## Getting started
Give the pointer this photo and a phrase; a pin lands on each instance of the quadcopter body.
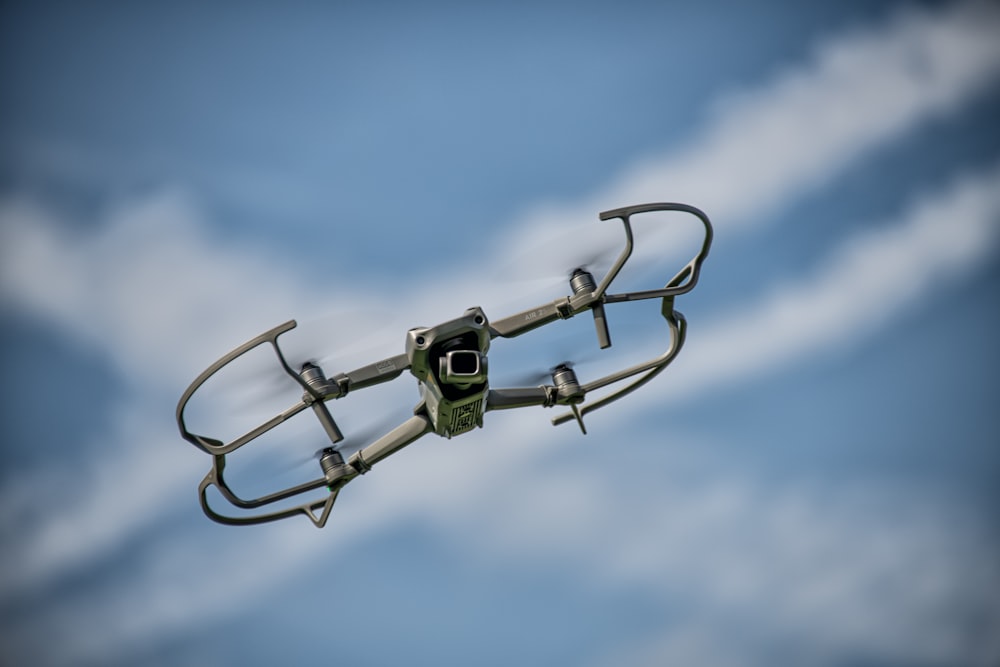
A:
(451, 365)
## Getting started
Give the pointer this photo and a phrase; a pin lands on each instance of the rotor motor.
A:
(582, 281)
(564, 379)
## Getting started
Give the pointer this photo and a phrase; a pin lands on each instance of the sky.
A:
(813, 481)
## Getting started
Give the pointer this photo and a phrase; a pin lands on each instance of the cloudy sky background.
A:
(813, 482)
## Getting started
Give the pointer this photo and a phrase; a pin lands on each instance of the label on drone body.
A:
(385, 366)
(533, 315)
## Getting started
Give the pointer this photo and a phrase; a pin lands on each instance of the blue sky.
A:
(814, 481)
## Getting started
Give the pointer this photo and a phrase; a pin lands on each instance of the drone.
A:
(450, 364)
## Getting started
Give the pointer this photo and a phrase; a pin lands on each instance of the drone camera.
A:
(463, 367)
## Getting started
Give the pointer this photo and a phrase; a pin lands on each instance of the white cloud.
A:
(148, 287)
(103, 501)
(811, 574)
(150, 276)
(174, 585)
(862, 285)
(807, 124)
(797, 131)
(865, 283)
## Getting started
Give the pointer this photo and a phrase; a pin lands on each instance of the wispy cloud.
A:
(147, 273)
(789, 133)
(810, 574)
(799, 130)
(919, 253)
(773, 143)
(105, 500)
(861, 286)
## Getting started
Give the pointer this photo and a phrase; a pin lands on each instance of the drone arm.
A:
(530, 319)
(390, 443)
(336, 478)
(594, 297)
(369, 375)
(320, 390)
(317, 390)
(519, 397)
(560, 309)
